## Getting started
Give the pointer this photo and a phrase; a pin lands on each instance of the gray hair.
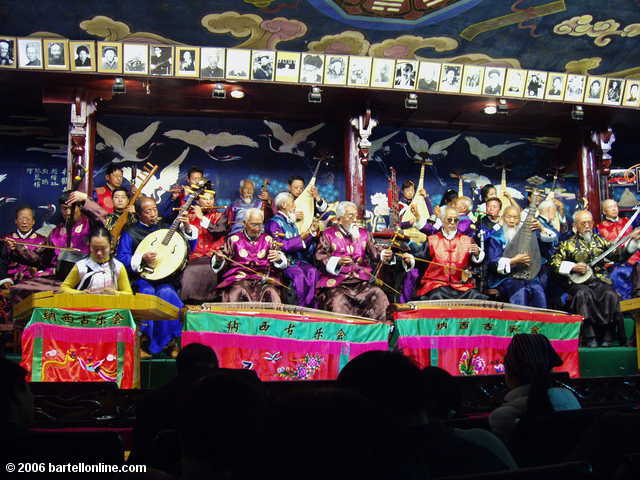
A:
(578, 212)
(245, 180)
(607, 202)
(342, 207)
(545, 204)
(443, 212)
(253, 212)
(281, 198)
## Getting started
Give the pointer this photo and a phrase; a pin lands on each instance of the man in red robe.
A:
(451, 253)
(103, 195)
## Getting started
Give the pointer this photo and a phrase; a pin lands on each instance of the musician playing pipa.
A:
(588, 283)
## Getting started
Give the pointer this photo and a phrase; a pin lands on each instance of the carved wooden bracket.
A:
(364, 125)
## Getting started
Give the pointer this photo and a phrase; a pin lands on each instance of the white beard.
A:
(354, 231)
(587, 237)
(247, 200)
(291, 217)
(449, 234)
(510, 232)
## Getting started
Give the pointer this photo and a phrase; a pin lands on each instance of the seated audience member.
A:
(528, 364)
(104, 195)
(237, 211)
(120, 200)
(452, 253)
(198, 281)
(347, 253)
(98, 273)
(25, 220)
(302, 274)
(159, 333)
(252, 262)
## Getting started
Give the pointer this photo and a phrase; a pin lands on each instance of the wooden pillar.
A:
(354, 170)
(81, 142)
(594, 161)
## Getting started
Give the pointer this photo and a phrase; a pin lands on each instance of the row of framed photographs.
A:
(312, 68)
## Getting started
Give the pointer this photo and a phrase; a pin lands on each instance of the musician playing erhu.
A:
(237, 211)
(120, 197)
(103, 196)
(98, 273)
(347, 253)
(594, 299)
(198, 284)
(252, 261)
(282, 226)
(25, 220)
(519, 291)
(451, 253)
(159, 333)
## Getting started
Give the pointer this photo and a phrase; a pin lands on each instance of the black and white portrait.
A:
(406, 73)
(30, 53)
(135, 58)
(575, 88)
(160, 60)
(614, 92)
(429, 76)
(263, 65)
(555, 86)
(110, 58)
(450, 79)
(336, 69)
(287, 67)
(238, 63)
(82, 56)
(212, 62)
(56, 54)
(472, 79)
(187, 60)
(493, 80)
(7, 52)
(514, 83)
(631, 95)
(382, 72)
(312, 68)
(595, 90)
(536, 82)
(359, 71)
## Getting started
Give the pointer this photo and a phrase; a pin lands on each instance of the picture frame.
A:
(429, 76)
(574, 90)
(335, 69)
(595, 89)
(187, 61)
(135, 59)
(109, 57)
(312, 68)
(450, 78)
(613, 91)
(382, 72)
(263, 63)
(212, 62)
(406, 74)
(535, 85)
(238, 65)
(472, 79)
(56, 53)
(556, 83)
(514, 83)
(82, 56)
(359, 71)
(288, 67)
(30, 53)
(494, 81)
(8, 52)
(161, 60)
(631, 96)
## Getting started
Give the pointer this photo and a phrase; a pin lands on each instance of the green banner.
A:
(83, 319)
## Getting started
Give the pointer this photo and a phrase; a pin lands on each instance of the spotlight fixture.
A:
(237, 93)
(315, 95)
(577, 113)
(503, 107)
(218, 91)
(119, 86)
(490, 109)
(411, 102)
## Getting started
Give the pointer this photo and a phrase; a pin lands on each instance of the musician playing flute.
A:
(198, 284)
(347, 253)
(595, 299)
(282, 226)
(451, 253)
(159, 333)
(252, 262)
(120, 197)
(237, 211)
(17, 270)
(519, 291)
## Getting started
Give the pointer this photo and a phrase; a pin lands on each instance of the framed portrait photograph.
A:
(613, 91)
(30, 53)
(212, 62)
(535, 84)
(8, 52)
(514, 83)
(555, 86)
(450, 77)
(238, 64)
(429, 76)
(187, 61)
(56, 54)
(382, 72)
(161, 60)
(359, 71)
(287, 66)
(595, 89)
(135, 58)
(109, 57)
(472, 76)
(335, 69)
(312, 68)
(493, 80)
(631, 96)
(574, 91)
(82, 55)
(263, 64)
(406, 74)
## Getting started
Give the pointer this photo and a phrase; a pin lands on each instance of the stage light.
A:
(119, 86)
(411, 102)
(315, 95)
(218, 91)
(490, 109)
(503, 108)
(577, 113)
(237, 93)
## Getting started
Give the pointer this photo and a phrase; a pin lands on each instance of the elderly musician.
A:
(198, 285)
(519, 291)
(238, 209)
(347, 252)
(282, 226)
(594, 298)
(25, 220)
(451, 253)
(251, 259)
(159, 333)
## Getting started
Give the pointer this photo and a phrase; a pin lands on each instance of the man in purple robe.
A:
(347, 253)
(25, 220)
(237, 211)
(252, 262)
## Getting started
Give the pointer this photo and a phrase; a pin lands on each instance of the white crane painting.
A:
(291, 143)
(168, 176)
(209, 142)
(127, 150)
(484, 152)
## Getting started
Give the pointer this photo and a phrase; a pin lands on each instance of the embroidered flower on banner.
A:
(302, 370)
(471, 363)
